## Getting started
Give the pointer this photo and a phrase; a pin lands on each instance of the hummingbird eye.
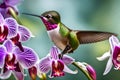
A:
(48, 16)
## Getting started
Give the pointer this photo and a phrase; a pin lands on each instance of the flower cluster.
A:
(13, 60)
(14, 57)
(10, 29)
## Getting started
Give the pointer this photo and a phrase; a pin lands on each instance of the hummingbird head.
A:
(52, 17)
(49, 18)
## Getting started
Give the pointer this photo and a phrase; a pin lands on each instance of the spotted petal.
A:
(67, 59)
(44, 64)
(11, 2)
(24, 33)
(27, 58)
(12, 26)
(9, 45)
(2, 55)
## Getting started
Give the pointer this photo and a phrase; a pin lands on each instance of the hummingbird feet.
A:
(67, 48)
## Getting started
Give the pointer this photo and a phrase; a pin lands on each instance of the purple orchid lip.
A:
(57, 69)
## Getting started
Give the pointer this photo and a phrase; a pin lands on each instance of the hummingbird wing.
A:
(85, 37)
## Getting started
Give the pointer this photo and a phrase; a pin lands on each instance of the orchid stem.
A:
(85, 72)
(14, 15)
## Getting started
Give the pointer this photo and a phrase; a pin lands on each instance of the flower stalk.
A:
(81, 69)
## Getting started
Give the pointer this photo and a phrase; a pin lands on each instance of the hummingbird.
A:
(67, 39)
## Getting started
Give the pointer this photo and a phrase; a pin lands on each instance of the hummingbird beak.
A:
(32, 15)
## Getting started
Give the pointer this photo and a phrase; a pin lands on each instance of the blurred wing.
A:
(93, 36)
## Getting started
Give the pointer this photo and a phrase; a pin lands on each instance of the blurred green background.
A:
(99, 15)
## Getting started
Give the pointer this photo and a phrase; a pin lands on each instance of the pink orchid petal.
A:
(113, 42)
(12, 27)
(108, 66)
(44, 65)
(67, 59)
(9, 45)
(54, 52)
(66, 69)
(26, 58)
(24, 33)
(104, 56)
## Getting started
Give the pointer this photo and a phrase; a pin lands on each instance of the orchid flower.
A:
(6, 4)
(13, 60)
(8, 28)
(113, 55)
(56, 65)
